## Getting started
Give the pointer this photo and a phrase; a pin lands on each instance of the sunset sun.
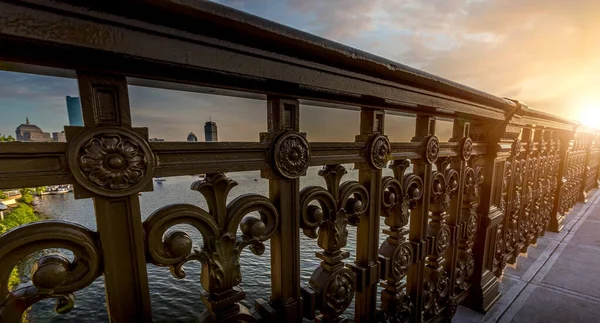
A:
(589, 112)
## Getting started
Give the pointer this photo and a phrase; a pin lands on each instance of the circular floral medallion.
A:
(466, 148)
(472, 225)
(379, 149)
(432, 149)
(402, 260)
(339, 292)
(111, 161)
(291, 154)
(443, 239)
(516, 147)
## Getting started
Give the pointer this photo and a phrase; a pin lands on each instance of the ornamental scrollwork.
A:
(466, 261)
(444, 186)
(53, 276)
(401, 193)
(111, 161)
(378, 151)
(516, 147)
(290, 155)
(325, 214)
(220, 251)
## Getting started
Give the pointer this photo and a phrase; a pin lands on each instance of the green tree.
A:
(6, 138)
(41, 189)
(26, 196)
(20, 215)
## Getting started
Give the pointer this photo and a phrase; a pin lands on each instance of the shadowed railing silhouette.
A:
(467, 208)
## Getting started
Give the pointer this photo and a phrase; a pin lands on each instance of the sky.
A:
(544, 53)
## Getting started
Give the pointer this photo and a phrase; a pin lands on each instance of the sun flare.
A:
(589, 113)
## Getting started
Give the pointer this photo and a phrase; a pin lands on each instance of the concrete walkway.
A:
(559, 278)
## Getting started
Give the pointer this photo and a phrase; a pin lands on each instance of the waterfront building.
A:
(31, 132)
(59, 136)
(210, 131)
(156, 140)
(192, 137)
(74, 110)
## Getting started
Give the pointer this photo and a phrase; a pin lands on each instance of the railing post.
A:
(587, 146)
(367, 264)
(419, 222)
(286, 303)
(105, 106)
(525, 220)
(557, 216)
(489, 238)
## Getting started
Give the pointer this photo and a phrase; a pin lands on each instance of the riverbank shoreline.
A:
(22, 213)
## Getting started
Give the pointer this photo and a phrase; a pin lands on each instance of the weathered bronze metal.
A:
(53, 276)
(220, 252)
(468, 207)
(331, 284)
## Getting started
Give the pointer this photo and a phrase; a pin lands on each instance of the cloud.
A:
(546, 54)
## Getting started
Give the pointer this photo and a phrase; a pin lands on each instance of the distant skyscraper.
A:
(74, 110)
(210, 132)
(192, 137)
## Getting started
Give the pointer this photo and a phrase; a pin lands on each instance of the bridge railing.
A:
(466, 207)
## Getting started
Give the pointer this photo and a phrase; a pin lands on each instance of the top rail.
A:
(204, 43)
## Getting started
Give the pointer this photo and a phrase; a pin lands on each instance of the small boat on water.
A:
(159, 180)
(58, 190)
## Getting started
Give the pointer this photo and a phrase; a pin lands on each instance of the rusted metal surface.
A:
(508, 174)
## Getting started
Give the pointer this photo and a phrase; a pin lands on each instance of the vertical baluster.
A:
(545, 183)
(424, 133)
(596, 184)
(585, 148)
(466, 260)
(557, 217)
(444, 185)
(525, 221)
(517, 202)
(290, 154)
(453, 207)
(331, 286)
(536, 171)
(366, 266)
(512, 204)
(550, 180)
(488, 241)
(107, 140)
(401, 195)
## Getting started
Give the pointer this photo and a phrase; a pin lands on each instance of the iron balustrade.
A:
(508, 174)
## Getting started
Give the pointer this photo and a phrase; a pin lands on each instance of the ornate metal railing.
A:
(469, 206)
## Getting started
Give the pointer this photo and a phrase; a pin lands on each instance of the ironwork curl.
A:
(53, 276)
(221, 248)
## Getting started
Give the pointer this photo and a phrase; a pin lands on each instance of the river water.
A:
(178, 300)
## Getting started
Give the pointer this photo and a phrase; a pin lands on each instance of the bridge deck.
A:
(558, 280)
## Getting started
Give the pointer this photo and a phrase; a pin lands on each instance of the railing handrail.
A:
(240, 32)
